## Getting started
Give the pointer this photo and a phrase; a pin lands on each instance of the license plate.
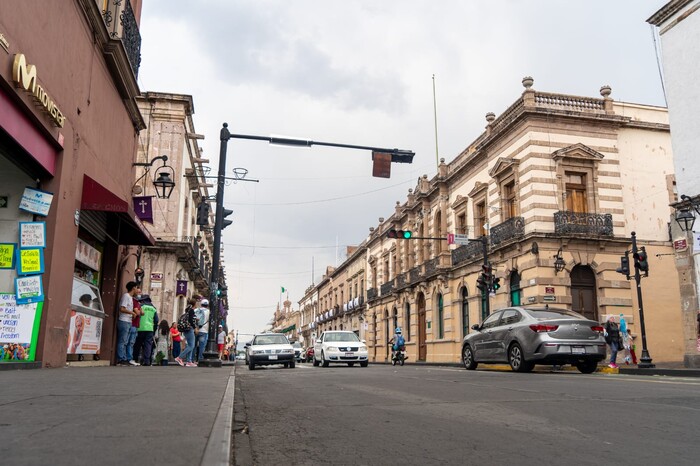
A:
(273, 357)
(578, 350)
(349, 354)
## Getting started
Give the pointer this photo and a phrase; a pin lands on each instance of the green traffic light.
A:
(407, 234)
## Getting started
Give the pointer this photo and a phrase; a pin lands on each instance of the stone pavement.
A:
(116, 416)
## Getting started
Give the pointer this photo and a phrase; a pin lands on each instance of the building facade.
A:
(678, 24)
(555, 179)
(69, 127)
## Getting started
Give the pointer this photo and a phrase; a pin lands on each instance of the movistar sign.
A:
(24, 76)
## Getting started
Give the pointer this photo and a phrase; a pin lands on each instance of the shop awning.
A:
(288, 329)
(130, 229)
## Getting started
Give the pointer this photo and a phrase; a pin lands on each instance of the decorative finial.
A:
(381, 219)
(605, 91)
(528, 82)
(490, 117)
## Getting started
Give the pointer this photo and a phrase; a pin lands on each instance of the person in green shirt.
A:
(146, 330)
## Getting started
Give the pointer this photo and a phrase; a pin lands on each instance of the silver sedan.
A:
(525, 336)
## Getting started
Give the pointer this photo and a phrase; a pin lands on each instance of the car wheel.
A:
(324, 363)
(517, 360)
(315, 361)
(286, 365)
(350, 364)
(468, 358)
(292, 365)
(364, 363)
(587, 367)
(251, 366)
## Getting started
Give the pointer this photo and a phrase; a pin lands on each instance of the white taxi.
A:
(270, 348)
(340, 346)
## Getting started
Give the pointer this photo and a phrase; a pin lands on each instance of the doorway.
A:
(422, 348)
(583, 292)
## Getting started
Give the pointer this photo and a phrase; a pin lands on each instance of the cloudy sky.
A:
(361, 72)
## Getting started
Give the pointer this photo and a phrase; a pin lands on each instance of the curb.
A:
(218, 449)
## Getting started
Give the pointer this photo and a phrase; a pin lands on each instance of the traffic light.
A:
(484, 282)
(496, 284)
(203, 214)
(641, 262)
(624, 267)
(222, 291)
(400, 234)
(481, 284)
(226, 213)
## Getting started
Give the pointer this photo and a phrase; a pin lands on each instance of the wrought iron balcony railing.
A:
(387, 288)
(512, 228)
(431, 266)
(414, 275)
(372, 293)
(566, 222)
(121, 24)
(467, 252)
(401, 280)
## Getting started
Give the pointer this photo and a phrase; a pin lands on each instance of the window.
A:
(480, 218)
(440, 317)
(386, 270)
(437, 226)
(510, 316)
(374, 276)
(508, 195)
(465, 312)
(576, 199)
(407, 322)
(461, 224)
(515, 291)
(492, 320)
(396, 318)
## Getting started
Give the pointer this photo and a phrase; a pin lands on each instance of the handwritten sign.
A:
(30, 261)
(36, 201)
(16, 322)
(7, 255)
(32, 234)
(29, 289)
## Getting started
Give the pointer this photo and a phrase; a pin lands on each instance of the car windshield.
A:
(542, 314)
(349, 336)
(296, 345)
(271, 340)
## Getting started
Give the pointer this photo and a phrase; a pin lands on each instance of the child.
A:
(163, 345)
(221, 341)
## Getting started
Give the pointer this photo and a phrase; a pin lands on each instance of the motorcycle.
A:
(398, 356)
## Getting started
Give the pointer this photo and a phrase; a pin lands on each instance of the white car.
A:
(269, 348)
(340, 346)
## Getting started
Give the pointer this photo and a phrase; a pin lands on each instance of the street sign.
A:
(453, 238)
(382, 165)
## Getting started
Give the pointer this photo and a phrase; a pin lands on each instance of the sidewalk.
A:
(116, 416)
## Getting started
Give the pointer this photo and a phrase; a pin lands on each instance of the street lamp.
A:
(684, 215)
(164, 183)
(559, 263)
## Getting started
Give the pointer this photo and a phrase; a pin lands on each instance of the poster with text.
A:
(85, 334)
(19, 328)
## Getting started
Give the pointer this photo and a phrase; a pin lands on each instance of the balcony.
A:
(431, 266)
(401, 280)
(576, 223)
(512, 228)
(467, 252)
(121, 24)
(372, 293)
(414, 275)
(387, 288)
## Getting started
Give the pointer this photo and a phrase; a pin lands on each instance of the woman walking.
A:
(612, 338)
(185, 358)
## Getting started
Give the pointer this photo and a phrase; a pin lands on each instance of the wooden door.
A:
(422, 347)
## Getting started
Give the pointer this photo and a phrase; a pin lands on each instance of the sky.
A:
(381, 74)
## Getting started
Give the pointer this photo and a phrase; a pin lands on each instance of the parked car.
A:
(269, 348)
(298, 351)
(525, 336)
(309, 354)
(340, 346)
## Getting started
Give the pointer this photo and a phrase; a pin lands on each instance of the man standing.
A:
(126, 313)
(203, 324)
(147, 326)
(133, 332)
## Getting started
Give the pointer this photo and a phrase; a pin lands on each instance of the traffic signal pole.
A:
(645, 360)
(211, 354)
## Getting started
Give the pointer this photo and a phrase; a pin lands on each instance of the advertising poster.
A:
(85, 333)
(19, 329)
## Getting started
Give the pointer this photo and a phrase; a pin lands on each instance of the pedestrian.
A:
(176, 338)
(203, 326)
(612, 338)
(133, 332)
(146, 331)
(163, 343)
(126, 313)
(188, 330)
(221, 341)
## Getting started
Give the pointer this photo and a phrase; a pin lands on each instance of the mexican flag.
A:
(283, 290)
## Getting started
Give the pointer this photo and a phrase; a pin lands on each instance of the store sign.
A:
(3, 42)
(84, 334)
(680, 244)
(24, 76)
(36, 201)
(549, 290)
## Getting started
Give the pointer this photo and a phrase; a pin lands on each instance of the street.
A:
(447, 415)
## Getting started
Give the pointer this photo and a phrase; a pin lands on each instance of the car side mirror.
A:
(246, 345)
(363, 341)
(476, 327)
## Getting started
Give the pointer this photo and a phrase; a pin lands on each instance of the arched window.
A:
(407, 322)
(465, 312)
(437, 226)
(396, 318)
(440, 317)
(515, 291)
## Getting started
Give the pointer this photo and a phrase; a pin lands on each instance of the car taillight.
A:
(597, 328)
(539, 328)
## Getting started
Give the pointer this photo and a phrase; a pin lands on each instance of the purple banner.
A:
(143, 206)
(181, 288)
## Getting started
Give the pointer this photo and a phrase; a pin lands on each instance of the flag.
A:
(143, 206)
(283, 290)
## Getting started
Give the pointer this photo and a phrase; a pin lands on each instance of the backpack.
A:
(199, 314)
(183, 323)
(400, 341)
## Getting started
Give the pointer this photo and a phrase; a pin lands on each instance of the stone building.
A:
(178, 266)
(678, 24)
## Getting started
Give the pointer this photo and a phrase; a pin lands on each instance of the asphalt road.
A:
(426, 415)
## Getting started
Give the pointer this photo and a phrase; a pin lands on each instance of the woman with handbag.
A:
(612, 338)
